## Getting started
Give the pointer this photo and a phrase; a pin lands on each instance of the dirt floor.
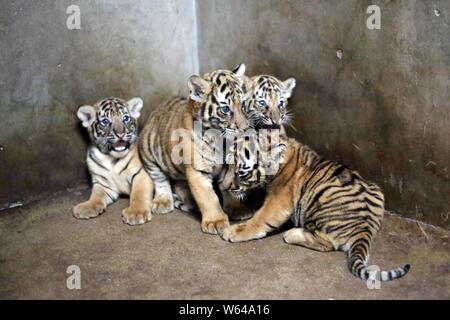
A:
(170, 258)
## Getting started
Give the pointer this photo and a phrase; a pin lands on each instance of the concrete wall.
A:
(384, 109)
(124, 48)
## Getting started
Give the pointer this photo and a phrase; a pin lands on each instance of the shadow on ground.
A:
(170, 258)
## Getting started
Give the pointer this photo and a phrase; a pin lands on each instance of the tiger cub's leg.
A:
(97, 203)
(182, 196)
(302, 237)
(140, 200)
(234, 208)
(214, 220)
(272, 215)
(163, 201)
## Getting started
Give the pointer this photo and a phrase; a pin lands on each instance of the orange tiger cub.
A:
(332, 207)
(214, 104)
(113, 160)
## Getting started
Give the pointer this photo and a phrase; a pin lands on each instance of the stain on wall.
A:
(124, 48)
(382, 106)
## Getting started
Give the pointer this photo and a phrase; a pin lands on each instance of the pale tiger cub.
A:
(332, 207)
(113, 160)
(215, 102)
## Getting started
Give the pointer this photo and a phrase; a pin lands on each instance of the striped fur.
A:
(113, 160)
(215, 102)
(266, 106)
(332, 207)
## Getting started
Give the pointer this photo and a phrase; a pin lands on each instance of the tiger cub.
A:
(266, 108)
(214, 104)
(113, 160)
(332, 207)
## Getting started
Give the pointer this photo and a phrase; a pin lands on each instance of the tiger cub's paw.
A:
(162, 205)
(241, 232)
(293, 236)
(87, 210)
(136, 216)
(215, 226)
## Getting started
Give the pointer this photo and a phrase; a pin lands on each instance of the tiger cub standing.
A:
(332, 207)
(214, 104)
(113, 160)
(265, 108)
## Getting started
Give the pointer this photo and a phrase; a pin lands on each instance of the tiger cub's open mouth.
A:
(120, 146)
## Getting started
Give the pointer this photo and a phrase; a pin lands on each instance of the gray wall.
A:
(384, 109)
(124, 48)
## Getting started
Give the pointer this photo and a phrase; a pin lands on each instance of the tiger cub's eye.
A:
(126, 118)
(262, 103)
(225, 109)
(105, 122)
(281, 104)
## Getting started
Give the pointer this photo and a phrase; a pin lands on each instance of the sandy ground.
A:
(170, 258)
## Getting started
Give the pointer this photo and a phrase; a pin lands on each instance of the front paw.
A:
(241, 232)
(87, 210)
(136, 216)
(162, 205)
(215, 226)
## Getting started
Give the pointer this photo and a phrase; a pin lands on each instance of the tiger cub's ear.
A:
(199, 88)
(289, 86)
(239, 70)
(87, 115)
(134, 106)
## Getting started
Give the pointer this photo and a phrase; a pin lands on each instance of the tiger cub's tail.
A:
(357, 259)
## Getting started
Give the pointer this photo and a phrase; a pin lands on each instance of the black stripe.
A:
(134, 175)
(336, 199)
(366, 239)
(100, 176)
(110, 197)
(312, 175)
(344, 206)
(126, 166)
(375, 195)
(339, 170)
(106, 187)
(318, 194)
(270, 226)
(355, 224)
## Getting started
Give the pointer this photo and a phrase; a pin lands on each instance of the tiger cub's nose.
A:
(120, 134)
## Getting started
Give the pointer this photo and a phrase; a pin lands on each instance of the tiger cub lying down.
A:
(332, 207)
(113, 160)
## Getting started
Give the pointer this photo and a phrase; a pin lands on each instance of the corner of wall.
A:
(196, 37)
